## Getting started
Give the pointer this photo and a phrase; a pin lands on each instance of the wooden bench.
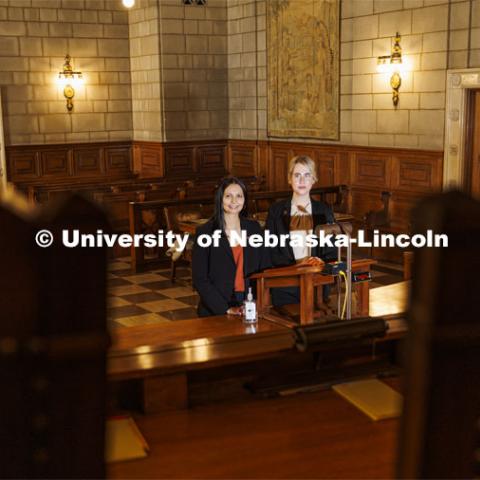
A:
(392, 218)
(145, 216)
(46, 193)
(116, 204)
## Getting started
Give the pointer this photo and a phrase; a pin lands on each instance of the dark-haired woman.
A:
(220, 274)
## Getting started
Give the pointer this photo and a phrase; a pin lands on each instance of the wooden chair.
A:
(177, 213)
(376, 219)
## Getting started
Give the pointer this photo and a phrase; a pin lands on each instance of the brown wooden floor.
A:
(311, 435)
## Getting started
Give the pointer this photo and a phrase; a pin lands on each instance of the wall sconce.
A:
(69, 79)
(393, 64)
(128, 3)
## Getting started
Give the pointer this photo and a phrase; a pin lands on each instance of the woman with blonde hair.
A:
(298, 216)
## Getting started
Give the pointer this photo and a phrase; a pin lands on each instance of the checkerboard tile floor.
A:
(144, 298)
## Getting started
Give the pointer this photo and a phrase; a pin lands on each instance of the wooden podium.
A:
(307, 277)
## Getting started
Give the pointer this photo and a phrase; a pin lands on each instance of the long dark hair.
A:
(218, 215)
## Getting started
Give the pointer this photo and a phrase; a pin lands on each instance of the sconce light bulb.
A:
(128, 3)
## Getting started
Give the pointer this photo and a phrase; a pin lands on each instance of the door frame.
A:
(459, 82)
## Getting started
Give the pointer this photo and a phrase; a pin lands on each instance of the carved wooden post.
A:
(53, 342)
(440, 435)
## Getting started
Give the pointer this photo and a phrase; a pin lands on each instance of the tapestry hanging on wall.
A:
(303, 68)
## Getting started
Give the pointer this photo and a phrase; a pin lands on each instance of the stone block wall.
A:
(367, 114)
(35, 36)
(436, 35)
(194, 69)
(145, 61)
(247, 69)
(464, 38)
(165, 71)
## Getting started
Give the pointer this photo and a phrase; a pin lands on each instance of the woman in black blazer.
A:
(298, 215)
(220, 274)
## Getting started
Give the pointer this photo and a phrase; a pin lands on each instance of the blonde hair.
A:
(304, 160)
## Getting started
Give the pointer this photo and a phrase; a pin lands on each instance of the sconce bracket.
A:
(395, 83)
(69, 93)
(393, 62)
(69, 76)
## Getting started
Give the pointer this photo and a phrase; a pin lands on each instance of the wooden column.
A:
(53, 342)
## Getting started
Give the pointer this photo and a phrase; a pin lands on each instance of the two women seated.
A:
(221, 274)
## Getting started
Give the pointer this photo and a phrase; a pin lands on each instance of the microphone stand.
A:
(336, 228)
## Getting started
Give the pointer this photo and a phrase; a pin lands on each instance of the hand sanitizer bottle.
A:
(250, 308)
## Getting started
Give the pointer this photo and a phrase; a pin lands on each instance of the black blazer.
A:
(213, 269)
(278, 222)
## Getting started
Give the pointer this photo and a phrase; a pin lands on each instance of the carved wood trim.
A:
(242, 158)
(416, 173)
(149, 159)
(118, 160)
(407, 174)
(371, 169)
(179, 161)
(210, 159)
(67, 163)
(55, 163)
(278, 168)
(88, 162)
(23, 164)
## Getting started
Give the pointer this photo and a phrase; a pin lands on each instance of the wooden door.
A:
(3, 162)
(475, 151)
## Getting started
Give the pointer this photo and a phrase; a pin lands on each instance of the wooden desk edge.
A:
(150, 360)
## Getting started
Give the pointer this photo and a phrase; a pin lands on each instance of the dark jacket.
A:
(278, 223)
(213, 269)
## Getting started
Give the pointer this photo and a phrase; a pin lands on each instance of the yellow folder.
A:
(372, 397)
(124, 440)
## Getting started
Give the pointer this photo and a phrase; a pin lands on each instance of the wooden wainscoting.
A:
(148, 159)
(68, 163)
(195, 159)
(406, 174)
(102, 162)
(242, 157)
(185, 160)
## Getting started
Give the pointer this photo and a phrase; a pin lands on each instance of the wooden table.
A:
(308, 277)
(389, 300)
(160, 355)
(391, 303)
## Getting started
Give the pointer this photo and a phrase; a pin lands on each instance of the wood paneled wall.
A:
(43, 164)
(407, 174)
(368, 171)
(180, 159)
(148, 159)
